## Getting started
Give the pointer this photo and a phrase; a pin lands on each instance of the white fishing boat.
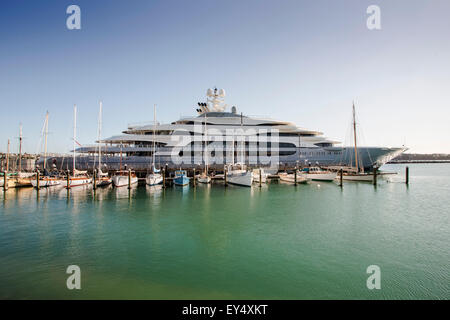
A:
(318, 174)
(102, 179)
(290, 178)
(123, 178)
(78, 177)
(155, 176)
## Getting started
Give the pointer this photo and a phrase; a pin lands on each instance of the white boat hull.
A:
(45, 183)
(357, 177)
(76, 181)
(122, 181)
(154, 179)
(290, 178)
(240, 178)
(205, 179)
(320, 176)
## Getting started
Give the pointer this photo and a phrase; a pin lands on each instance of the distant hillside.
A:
(421, 157)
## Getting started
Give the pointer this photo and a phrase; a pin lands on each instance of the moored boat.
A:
(154, 178)
(181, 178)
(238, 175)
(259, 173)
(291, 178)
(124, 178)
(318, 174)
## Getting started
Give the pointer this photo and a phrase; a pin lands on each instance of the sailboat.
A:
(46, 180)
(78, 178)
(204, 178)
(124, 178)
(237, 173)
(356, 173)
(102, 178)
(23, 179)
(155, 176)
(10, 176)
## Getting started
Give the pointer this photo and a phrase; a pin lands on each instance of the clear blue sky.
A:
(303, 61)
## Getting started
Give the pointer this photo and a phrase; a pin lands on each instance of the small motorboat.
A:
(124, 178)
(181, 178)
(290, 178)
(318, 174)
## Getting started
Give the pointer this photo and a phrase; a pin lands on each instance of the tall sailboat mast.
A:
(206, 148)
(99, 136)
(45, 140)
(154, 143)
(243, 143)
(7, 157)
(20, 148)
(74, 133)
(354, 137)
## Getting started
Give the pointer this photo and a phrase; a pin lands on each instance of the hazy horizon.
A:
(290, 60)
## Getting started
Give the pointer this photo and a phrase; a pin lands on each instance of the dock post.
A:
(260, 177)
(94, 186)
(164, 178)
(407, 175)
(194, 177)
(225, 176)
(341, 173)
(37, 180)
(5, 181)
(129, 178)
(295, 177)
(375, 175)
(68, 180)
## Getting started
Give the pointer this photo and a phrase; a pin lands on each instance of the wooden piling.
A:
(129, 178)
(375, 171)
(37, 180)
(94, 186)
(193, 178)
(225, 176)
(341, 173)
(164, 178)
(407, 175)
(260, 178)
(5, 181)
(295, 177)
(68, 180)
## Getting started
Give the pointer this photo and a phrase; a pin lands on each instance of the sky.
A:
(300, 61)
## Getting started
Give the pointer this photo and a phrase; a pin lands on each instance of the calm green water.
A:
(212, 242)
